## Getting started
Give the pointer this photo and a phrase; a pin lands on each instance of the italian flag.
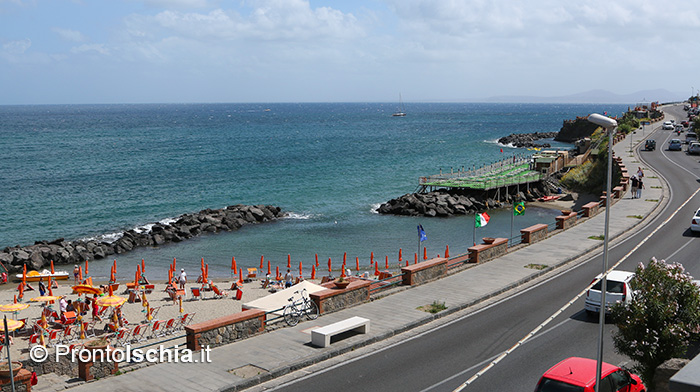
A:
(481, 219)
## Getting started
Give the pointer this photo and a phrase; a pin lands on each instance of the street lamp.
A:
(609, 124)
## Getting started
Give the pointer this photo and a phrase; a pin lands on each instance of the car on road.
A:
(691, 137)
(667, 125)
(694, 148)
(617, 289)
(579, 375)
(675, 145)
(650, 145)
(695, 222)
(679, 128)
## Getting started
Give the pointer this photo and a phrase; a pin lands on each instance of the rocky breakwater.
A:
(443, 203)
(527, 140)
(185, 226)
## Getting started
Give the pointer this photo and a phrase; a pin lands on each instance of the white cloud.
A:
(17, 47)
(90, 48)
(70, 35)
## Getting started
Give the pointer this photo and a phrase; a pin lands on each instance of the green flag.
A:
(519, 208)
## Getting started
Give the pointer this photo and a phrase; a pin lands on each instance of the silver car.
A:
(694, 148)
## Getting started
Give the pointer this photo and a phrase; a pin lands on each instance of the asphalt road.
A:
(444, 358)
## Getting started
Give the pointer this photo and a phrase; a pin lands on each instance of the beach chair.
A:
(139, 333)
(23, 328)
(148, 289)
(219, 293)
(154, 312)
(75, 347)
(170, 327)
(34, 340)
(122, 336)
(158, 329)
(54, 337)
(196, 294)
(90, 328)
(252, 274)
(68, 334)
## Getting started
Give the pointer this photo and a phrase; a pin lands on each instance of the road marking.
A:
(679, 249)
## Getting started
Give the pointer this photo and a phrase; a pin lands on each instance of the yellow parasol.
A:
(13, 325)
(14, 307)
(111, 300)
(45, 298)
(86, 289)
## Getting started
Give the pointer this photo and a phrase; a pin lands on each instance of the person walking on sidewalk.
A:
(634, 184)
(640, 186)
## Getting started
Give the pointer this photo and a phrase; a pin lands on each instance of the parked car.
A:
(650, 145)
(694, 148)
(695, 222)
(617, 290)
(675, 145)
(579, 375)
(691, 137)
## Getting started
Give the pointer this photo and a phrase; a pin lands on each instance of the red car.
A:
(578, 375)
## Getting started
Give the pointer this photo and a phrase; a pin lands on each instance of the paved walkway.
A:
(272, 354)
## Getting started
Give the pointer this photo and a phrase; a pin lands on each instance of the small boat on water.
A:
(35, 276)
(400, 113)
(548, 198)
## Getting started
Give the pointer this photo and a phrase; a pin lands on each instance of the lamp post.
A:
(609, 124)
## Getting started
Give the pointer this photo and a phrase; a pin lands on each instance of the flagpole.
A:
(474, 231)
(512, 218)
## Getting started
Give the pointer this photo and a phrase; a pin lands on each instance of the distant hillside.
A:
(597, 96)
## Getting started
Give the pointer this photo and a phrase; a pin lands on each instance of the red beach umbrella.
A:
(400, 257)
(415, 260)
(447, 251)
(277, 273)
(329, 264)
(174, 264)
(316, 260)
(371, 258)
(80, 273)
(269, 268)
(206, 272)
(289, 261)
(261, 262)
(425, 253)
(86, 268)
(386, 262)
(240, 276)
(342, 272)
(313, 272)
(376, 269)
(345, 257)
(143, 266)
(300, 269)
(357, 263)
(52, 270)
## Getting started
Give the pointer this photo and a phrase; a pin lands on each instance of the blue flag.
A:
(421, 233)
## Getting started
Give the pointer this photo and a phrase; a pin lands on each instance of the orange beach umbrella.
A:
(269, 270)
(240, 276)
(143, 267)
(86, 268)
(289, 261)
(357, 263)
(316, 255)
(386, 262)
(447, 251)
(313, 271)
(400, 257)
(329, 264)
(52, 270)
(300, 269)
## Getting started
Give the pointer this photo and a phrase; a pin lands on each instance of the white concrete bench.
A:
(321, 337)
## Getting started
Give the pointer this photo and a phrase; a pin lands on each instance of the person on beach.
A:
(76, 272)
(95, 309)
(634, 184)
(42, 287)
(640, 186)
(182, 279)
(62, 304)
(288, 279)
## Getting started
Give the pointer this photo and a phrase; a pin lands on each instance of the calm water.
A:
(83, 171)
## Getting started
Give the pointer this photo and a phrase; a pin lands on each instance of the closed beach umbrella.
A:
(313, 272)
(447, 251)
(316, 255)
(52, 270)
(289, 261)
(80, 273)
(342, 272)
(233, 265)
(277, 273)
(262, 258)
(357, 263)
(174, 264)
(345, 257)
(240, 276)
(86, 269)
(143, 266)
(269, 268)
(386, 262)
(371, 258)
(300, 269)
(329, 265)
(376, 269)
(181, 309)
(415, 259)
(400, 257)
(206, 273)
(20, 288)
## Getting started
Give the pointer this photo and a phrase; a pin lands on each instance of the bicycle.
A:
(295, 310)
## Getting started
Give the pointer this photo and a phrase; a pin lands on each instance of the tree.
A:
(661, 320)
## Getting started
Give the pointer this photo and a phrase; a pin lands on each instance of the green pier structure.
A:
(518, 170)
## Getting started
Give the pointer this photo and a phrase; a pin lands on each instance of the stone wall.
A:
(566, 221)
(330, 300)
(485, 252)
(223, 330)
(424, 272)
(534, 233)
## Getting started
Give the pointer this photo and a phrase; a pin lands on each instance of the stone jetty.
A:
(444, 203)
(527, 140)
(185, 226)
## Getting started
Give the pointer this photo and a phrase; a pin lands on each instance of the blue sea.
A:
(83, 171)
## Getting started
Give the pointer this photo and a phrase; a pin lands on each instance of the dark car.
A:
(650, 145)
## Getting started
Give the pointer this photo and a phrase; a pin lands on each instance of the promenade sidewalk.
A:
(272, 354)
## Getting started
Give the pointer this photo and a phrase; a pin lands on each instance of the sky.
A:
(184, 51)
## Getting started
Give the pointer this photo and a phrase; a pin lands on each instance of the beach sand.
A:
(205, 309)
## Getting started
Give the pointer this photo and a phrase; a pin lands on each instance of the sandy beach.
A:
(203, 309)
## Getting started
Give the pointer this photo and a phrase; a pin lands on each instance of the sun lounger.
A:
(219, 293)
(196, 294)
(252, 274)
